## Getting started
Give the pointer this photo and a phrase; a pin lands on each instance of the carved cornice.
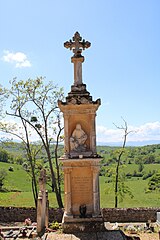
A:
(67, 170)
(71, 163)
(70, 109)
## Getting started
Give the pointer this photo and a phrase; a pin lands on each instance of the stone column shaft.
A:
(67, 189)
(77, 69)
(66, 140)
(96, 201)
(93, 134)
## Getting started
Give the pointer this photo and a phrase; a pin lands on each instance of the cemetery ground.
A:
(58, 235)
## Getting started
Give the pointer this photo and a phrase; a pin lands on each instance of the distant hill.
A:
(128, 143)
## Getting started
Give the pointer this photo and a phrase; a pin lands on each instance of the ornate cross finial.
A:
(77, 44)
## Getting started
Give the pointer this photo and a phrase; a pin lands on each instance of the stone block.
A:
(85, 225)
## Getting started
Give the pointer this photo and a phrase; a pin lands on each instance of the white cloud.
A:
(146, 132)
(19, 59)
(15, 127)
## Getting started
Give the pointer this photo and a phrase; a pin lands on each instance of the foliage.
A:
(55, 225)
(4, 156)
(140, 167)
(123, 188)
(35, 105)
(3, 175)
(154, 182)
(148, 175)
(149, 154)
(11, 169)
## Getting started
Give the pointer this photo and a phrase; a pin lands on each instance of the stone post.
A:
(47, 210)
(39, 213)
(41, 204)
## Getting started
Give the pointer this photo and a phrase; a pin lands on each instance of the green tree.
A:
(140, 167)
(4, 156)
(150, 159)
(154, 182)
(3, 175)
(36, 105)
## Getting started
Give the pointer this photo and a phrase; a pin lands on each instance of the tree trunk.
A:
(54, 183)
(116, 186)
(34, 193)
(57, 165)
(34, 182)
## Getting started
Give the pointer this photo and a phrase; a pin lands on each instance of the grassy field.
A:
(140, 199)
(18, 182)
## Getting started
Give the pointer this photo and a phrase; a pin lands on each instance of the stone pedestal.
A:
(81, 188)
(83, 225)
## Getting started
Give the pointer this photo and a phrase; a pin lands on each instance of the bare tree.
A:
(124, 189)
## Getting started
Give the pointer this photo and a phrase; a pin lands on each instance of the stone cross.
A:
(77, 45)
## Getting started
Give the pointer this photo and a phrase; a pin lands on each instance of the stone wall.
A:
(12, 214)
(130, 214)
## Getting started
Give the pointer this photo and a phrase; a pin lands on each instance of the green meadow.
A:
(19, 192)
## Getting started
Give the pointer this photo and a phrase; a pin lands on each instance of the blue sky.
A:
(122, 66)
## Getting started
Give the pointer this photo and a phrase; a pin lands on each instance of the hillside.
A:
(138, 165)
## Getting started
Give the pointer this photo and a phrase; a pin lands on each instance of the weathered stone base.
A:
(79, 225)
(108, 235)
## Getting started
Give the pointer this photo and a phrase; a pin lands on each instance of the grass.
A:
(22, 199)
(20, 195)
(19, 185)
(18, 180)
(130, 168)
(137, 187)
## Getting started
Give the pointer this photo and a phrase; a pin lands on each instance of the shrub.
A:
(11, 169)
(137, 174)
(129, 175)
(3, 175)
(4, 156)
(154, 183)
(147, 175)
(55, 226)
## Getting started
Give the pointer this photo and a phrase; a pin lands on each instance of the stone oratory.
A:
(80, 160)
